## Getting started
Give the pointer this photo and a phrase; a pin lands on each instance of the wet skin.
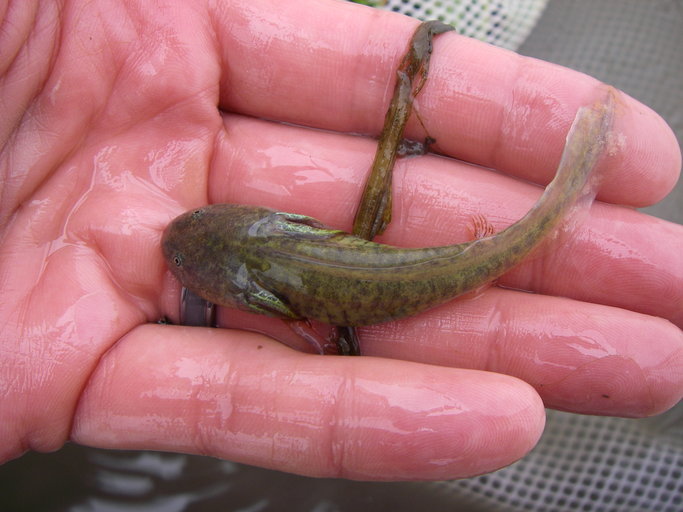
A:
(292, 266)
(373, 214)
(374, 210)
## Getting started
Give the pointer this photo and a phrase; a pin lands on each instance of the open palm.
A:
(116, 117)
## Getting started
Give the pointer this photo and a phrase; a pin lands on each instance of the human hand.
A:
(111, 127)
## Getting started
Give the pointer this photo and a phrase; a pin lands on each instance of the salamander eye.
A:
(178, 260)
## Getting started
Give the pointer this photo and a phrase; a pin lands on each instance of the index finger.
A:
(331, 65)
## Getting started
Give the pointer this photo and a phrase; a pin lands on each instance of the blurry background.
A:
(582, 463)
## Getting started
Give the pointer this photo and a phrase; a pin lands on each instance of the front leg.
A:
(263, 301)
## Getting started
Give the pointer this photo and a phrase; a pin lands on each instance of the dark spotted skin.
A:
(291, 266)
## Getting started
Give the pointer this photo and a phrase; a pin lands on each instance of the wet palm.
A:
(117, 117)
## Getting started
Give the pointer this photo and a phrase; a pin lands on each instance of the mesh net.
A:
(591, 464)
(505, 23)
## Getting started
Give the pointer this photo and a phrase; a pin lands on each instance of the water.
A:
(78, 479)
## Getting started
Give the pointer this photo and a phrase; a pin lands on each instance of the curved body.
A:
(292, 266)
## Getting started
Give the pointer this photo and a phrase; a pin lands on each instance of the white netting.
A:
(590, 464)
(505, 23)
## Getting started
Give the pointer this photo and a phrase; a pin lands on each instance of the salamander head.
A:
(205, 249)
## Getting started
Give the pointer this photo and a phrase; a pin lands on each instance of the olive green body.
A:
(236, 255)
(292, 266)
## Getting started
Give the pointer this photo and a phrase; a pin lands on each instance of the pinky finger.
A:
(243, 397)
